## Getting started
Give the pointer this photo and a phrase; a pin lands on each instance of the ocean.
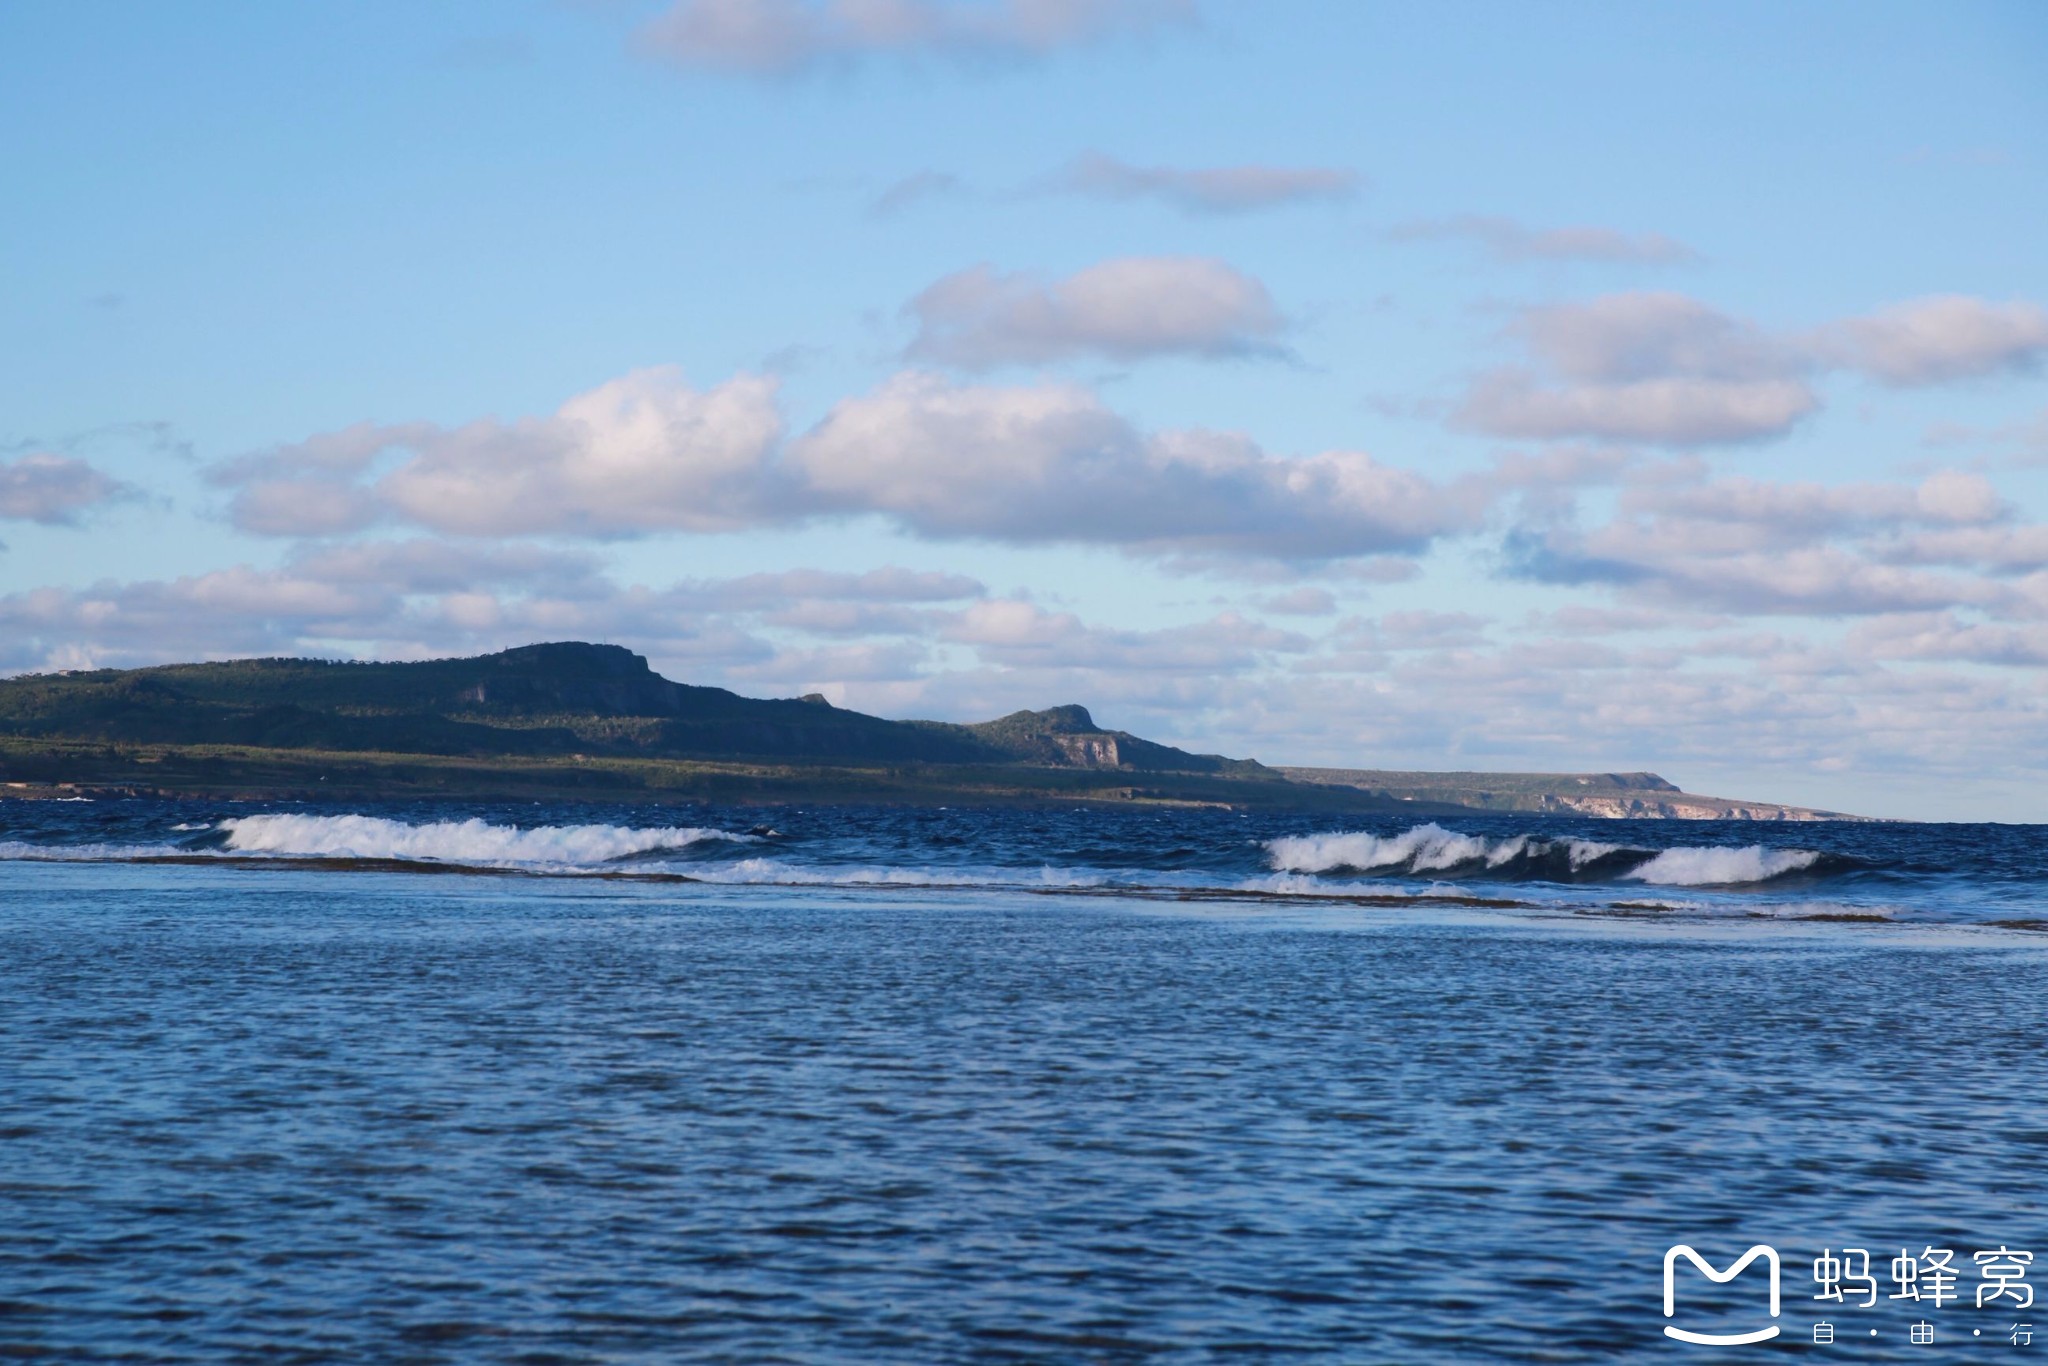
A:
(475, 1083)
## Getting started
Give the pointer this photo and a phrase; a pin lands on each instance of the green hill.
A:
(538, 700)
(563, 718)
(594, 721)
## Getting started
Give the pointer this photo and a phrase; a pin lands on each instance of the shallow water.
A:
(265, 1115)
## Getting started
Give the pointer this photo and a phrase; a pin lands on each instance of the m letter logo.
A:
(1769, 1254)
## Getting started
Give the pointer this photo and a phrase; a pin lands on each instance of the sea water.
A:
(561, 1084)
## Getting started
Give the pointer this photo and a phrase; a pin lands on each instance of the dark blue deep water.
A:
(285, 1084)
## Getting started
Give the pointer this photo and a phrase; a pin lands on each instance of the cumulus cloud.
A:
(1948, 636)
(1652, 366)
(1997, 549)
(1679, 411)
(783, 37)
(1127, 308)
(1939, 338)
(1766, 548)
(645, 452)
(1049, 464)
(1663, 368)
(1765, 512)
(1213, 189)
(1507, 240)
(54, 489)
(1027, 464)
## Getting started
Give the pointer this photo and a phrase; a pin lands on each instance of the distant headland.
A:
(570, 720)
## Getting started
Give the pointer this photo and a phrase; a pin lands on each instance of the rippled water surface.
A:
(285, 1114)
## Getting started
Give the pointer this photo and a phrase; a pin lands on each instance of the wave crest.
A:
(1722, 867)
(472, 841)
(1431, 849)
(1427, 849)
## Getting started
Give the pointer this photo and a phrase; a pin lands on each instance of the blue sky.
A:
(1450, 386)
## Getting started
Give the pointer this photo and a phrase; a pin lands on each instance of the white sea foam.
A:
(1583, 852)
(472, 841)
(774, 872)
(1433, 849)
(1719, 867)
(193, 825)
(1423, 849)
(83, 853)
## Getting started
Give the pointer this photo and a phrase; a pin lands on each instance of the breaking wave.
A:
(1722, 867)
(472, 841)
(1432, 850)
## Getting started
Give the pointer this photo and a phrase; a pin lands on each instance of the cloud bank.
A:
(1036, 464)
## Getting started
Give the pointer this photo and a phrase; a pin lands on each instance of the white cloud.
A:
(1752, 546)
(237, 611)
(1214, 189)
(1766, 512)
(1663, 368)
(1508, 240)
(1654, 367)
(1049, 464)
(782, 37)
(1621, 338)
(1679, 411)
(1027, 464)
(645, 452)
(54, 489)
(1999, 549)
(1948, 636)
(642, 453)
(1126, 309)
(1939, 338)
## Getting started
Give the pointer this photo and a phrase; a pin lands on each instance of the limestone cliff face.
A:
(1088, 751)
(1067, 737)
(1605, 796)
(1679, 808)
